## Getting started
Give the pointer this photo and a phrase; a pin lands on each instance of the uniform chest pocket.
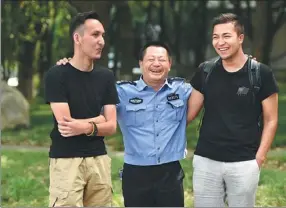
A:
(135, 115)
(174, 110)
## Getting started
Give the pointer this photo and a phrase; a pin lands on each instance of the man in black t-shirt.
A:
(80, 169)
(231, 147)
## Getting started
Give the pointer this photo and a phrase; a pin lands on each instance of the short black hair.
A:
(80, 19)
(154, 43)
(227, 18)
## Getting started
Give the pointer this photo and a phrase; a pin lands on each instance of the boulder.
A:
(14, 108)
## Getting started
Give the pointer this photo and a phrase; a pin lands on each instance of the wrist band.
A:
(92, 132)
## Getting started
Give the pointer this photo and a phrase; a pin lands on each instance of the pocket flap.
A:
(176, 103)
(135, 107)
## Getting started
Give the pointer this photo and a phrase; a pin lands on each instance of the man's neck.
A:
(82, 63)
(235, 63)
(156, 85)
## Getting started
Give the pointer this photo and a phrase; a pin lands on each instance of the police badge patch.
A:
(136, 100)
(173, 96)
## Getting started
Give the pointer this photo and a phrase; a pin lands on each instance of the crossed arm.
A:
(68, 126)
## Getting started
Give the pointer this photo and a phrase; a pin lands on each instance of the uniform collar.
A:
(141, 84)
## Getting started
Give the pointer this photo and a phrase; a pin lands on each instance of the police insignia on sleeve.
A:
(135, 100)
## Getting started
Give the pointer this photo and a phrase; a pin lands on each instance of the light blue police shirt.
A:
(153, 123)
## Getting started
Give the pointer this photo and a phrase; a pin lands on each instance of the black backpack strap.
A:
(208, 67)
(254, 77)
(255, 83)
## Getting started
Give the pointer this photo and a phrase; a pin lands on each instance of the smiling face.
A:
(156, 64)
(226, 40)
(90, 38)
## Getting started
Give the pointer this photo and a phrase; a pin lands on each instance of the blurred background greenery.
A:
(35, 34)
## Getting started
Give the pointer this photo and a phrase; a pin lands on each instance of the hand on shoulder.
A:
(63, 61)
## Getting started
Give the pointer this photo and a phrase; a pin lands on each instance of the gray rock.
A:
(14, 108)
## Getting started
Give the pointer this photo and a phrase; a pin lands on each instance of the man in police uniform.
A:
(152, 115)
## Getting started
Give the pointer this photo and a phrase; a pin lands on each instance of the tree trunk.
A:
(103, 10)
(149, 21)
(125, 40)
(163, 34)
(45, 61)
(260, 30)
(263, 33)
(178, 29)
(249, 23)
(45, 57)
(26, 56)
(269, 36)
(201, 39)
(237, 8)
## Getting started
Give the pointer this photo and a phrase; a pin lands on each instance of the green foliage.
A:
(30, 22)
(25, 180)
(62, 41)
(138, 10)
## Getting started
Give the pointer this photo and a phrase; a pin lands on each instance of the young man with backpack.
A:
(237, 94)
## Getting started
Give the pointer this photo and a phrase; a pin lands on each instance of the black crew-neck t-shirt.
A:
(86, 93)
(230, 130)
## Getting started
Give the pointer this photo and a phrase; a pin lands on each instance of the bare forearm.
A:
(267, 138)
(105, 124)
(107, 128)
(99, 119)
(104, 129)
(192, 114)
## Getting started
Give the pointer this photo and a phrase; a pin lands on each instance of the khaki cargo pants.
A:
(78, 182)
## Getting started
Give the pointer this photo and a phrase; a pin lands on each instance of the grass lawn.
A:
(25, 179)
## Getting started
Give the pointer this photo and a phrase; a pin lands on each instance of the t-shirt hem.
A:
(226, 158)
(73, 155)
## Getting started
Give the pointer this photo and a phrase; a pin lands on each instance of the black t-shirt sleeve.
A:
(268, 83)
(111, 96)
(55, 89)
(197, 79)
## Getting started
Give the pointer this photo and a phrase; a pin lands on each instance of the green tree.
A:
(54, 42)
(268, 18)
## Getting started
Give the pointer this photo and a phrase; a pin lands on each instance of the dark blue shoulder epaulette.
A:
(172, 79)
(126, 82)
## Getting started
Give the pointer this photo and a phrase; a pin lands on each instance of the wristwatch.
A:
(94, 129)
